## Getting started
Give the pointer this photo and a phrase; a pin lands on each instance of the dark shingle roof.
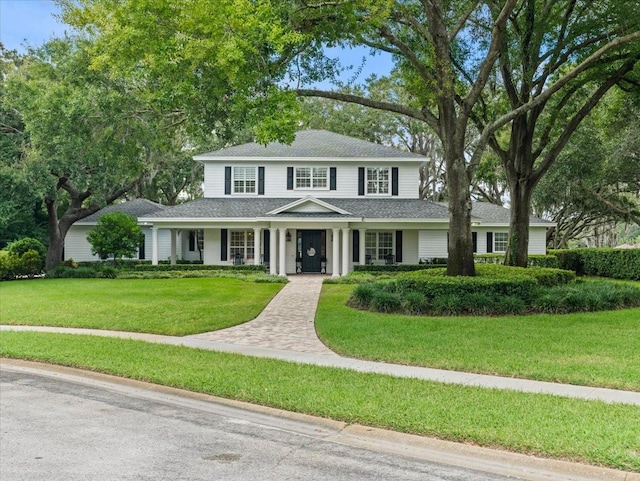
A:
(378, 208)
(312, 144)
(135, 208)
(251, 208)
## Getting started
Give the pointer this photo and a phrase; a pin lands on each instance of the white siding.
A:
(211, 254)
(76, 246)
(410, 244)
(432, 243)
(346, 178)
(537, 240)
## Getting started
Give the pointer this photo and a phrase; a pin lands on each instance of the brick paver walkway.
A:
(287, 323)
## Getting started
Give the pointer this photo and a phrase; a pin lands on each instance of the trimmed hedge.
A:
(18, 266)
(535, 260)
(601, 262)
(496, 290)
(379, 268)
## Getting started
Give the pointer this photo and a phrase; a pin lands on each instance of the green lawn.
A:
(160, 306)
(593, 349)
(586, 431)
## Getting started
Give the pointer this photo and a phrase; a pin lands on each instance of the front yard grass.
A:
(175, 307)
(550, 426)
(591, 349)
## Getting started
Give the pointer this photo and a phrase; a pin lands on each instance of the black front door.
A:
(311, 250)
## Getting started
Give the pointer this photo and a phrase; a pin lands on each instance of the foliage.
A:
(115, 235)
(496, 290)
(614, 263)
(379, 268)
(14, 266)
(78, 272)
(20, 247)
(534, 260)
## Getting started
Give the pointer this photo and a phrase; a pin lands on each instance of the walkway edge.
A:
(427, 374)
(428, 449)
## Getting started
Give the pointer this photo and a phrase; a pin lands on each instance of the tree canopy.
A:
(534, 68)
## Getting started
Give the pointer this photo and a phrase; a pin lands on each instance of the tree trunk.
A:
(56, 241)
(518, 246)
(460, 262)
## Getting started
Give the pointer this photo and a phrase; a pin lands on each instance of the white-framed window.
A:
(244, 180)
(378, 245)
(500, 240)
(241, 243)
(378, 179)
(312, 178)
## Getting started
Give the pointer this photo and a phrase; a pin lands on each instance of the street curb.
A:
(417, 447)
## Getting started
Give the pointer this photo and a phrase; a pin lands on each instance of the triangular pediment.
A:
(309, 205)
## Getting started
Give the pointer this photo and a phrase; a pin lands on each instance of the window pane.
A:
(500, 240)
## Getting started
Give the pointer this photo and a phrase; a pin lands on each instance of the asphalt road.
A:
(55, 426)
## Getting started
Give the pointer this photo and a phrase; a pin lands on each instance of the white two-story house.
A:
(320, 205)
(323, 204)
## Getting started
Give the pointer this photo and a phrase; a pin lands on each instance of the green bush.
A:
(193, 266)
(535, 260)
(605, 262)
(97, 271)
(378, 268)
(20, 247)
(496, 290)
(14, 265)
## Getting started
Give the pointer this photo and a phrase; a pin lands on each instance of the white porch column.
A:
(273, 239)
(362, 247)
(345, 250)
(257, 234)
(282, 259)
(154, 246)
(173, 246)
(336, 252)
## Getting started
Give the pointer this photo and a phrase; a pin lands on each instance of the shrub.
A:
(386, 301)
(115, 235)
(614, 263)
(20, 247)
(362, 296)
(15, 265)
(535, 260)
(586, 296)
(378, 268)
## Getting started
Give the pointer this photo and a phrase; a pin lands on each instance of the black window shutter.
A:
(474, 239)
(266, 245)
(333, 184)
(223, 244)
(489, 241)
(360, 180)
(289, 178)
(356, 245)
(398, 246)
(260, 180)
(394, 181)
(141, 252)
(227, 181)
(192, 241)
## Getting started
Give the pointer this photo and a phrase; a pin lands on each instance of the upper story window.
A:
(500, 240)
(311, 178)
(244, 180)
(378, 180)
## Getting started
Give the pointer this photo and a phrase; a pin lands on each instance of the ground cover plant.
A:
(160, 306)
(551, 426)
(495, 290)
(592, 349)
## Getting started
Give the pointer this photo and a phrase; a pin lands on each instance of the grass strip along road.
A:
(585, 431)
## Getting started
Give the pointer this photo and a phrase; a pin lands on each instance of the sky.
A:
(26, 23)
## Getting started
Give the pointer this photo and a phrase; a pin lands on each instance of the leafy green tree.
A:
(115, 235)
(595, 184)
(21, 207)
(557, 60)
(88, 142)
